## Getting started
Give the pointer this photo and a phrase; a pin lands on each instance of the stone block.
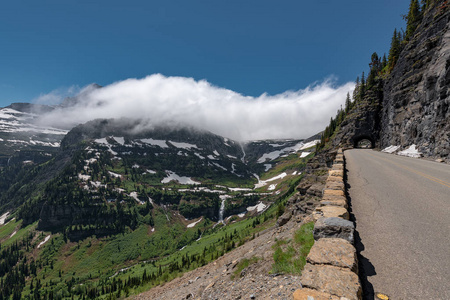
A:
(334, 228)
(330, 211)
(337, 167)
(335, 252)
(335, 179)
(339, 157)
(341, 203)
(308, 294)
(334, 197)
(329, 192)
(336, 173)
(332, 280)
(316, 215)
(335, 185)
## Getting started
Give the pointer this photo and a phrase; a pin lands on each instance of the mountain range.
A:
(111, 178)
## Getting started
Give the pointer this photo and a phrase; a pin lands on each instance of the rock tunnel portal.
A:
(363, 141)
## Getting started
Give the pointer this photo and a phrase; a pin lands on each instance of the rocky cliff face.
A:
(412, 107)
(417, 93)
(363, 122)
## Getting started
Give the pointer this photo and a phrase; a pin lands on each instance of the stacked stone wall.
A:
(331, 271)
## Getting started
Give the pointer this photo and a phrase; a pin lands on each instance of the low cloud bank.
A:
(55, 96)
(157, 99)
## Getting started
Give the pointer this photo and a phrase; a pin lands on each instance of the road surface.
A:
(401, 208)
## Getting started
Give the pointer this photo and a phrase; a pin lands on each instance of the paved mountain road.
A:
(402, 212)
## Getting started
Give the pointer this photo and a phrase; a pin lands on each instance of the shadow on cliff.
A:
(365, 267)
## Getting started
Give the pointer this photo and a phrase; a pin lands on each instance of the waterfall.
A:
(222, 207)
(256, 176)
(243, 153)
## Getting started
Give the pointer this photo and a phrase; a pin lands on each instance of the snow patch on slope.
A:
(391, 149)
(119, 140)
(304, 154)
(262, 183)
(153, 142)
(410, 152)
(285, 151)
(309, 144)
(194, 223)
(44, 241)
(181, 179)
(259, 207)
(3, 218)
(186, 146)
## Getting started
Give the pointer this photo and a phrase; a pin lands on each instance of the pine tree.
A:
(375, 68)
(384, 61)
(356, 90)
(395, 49)
(412, 19)
(362, 88)
(348, 104)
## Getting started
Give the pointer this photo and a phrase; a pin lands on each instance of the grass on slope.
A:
(8, 229)
(209, 247)
(244, 263)
(75, 268)
(290, 255)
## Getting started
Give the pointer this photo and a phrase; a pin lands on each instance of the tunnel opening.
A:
(364, 141)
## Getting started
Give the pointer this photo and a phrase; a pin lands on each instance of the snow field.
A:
(44, 241)
(411, 151)
(259, 207)
(181, 179)
(194, 223)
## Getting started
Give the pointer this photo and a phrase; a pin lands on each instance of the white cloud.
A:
(159, 99)
(57, 96)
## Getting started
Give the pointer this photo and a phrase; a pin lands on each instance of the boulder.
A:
(335, 252)
(333, 280)
(315, 190)
(284, 218)
(334, 228)
(303, 187)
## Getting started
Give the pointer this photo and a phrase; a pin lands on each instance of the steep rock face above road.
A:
(363, 122)
(411, 105)
(417, 93)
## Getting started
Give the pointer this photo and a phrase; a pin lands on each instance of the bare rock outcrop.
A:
(417, 95)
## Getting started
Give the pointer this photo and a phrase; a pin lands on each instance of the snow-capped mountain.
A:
(19, 133)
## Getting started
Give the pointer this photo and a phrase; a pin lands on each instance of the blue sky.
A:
(250, 47)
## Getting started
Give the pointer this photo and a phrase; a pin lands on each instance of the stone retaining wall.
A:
(331, 271)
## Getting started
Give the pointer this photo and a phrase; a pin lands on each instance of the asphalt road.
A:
(401, 208)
